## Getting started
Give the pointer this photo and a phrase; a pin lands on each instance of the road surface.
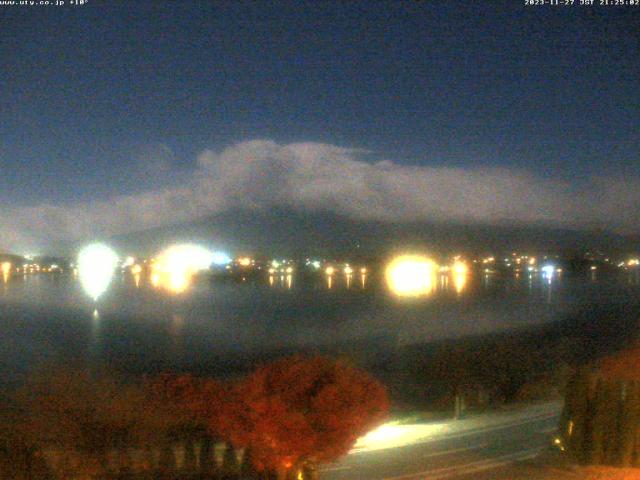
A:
(476, 447)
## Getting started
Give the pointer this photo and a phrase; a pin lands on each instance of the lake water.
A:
(46, 319)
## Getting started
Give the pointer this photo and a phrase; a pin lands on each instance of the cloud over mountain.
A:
(261, 174)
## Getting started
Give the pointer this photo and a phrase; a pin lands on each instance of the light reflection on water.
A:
(142, 328)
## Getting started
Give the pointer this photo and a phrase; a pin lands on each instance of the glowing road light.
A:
(348, 270)
(174, 268)
(128, 262)
(411, 275)
(316, 264)
(289, 270)
(363, 271)
(392, 435)
(96, 264)
(548, 270)
(330, 271)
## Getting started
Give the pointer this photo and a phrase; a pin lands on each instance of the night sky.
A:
(126, 115)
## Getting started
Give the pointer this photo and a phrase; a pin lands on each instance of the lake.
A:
(47, 319)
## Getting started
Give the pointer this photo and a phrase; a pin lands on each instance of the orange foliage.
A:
(299, 409)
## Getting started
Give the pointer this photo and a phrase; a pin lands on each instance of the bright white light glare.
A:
(175, 266)
(391, 435)
(548, 270)
(96, 264)
(411, 275)
(220, 258)
(128, 262)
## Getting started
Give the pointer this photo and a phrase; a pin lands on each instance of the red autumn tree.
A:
(304, 410)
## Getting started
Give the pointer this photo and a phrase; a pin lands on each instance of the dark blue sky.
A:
(87, 92)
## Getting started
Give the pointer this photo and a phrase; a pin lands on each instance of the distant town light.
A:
(459, 272)
(6, 270)
(244, 261)
(330, 270)
(460, 268)
(175, 266)
(220, 258)
(96, 264)
(548, 270)
(411, 275)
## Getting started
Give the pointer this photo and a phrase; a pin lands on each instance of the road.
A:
(476, 447)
